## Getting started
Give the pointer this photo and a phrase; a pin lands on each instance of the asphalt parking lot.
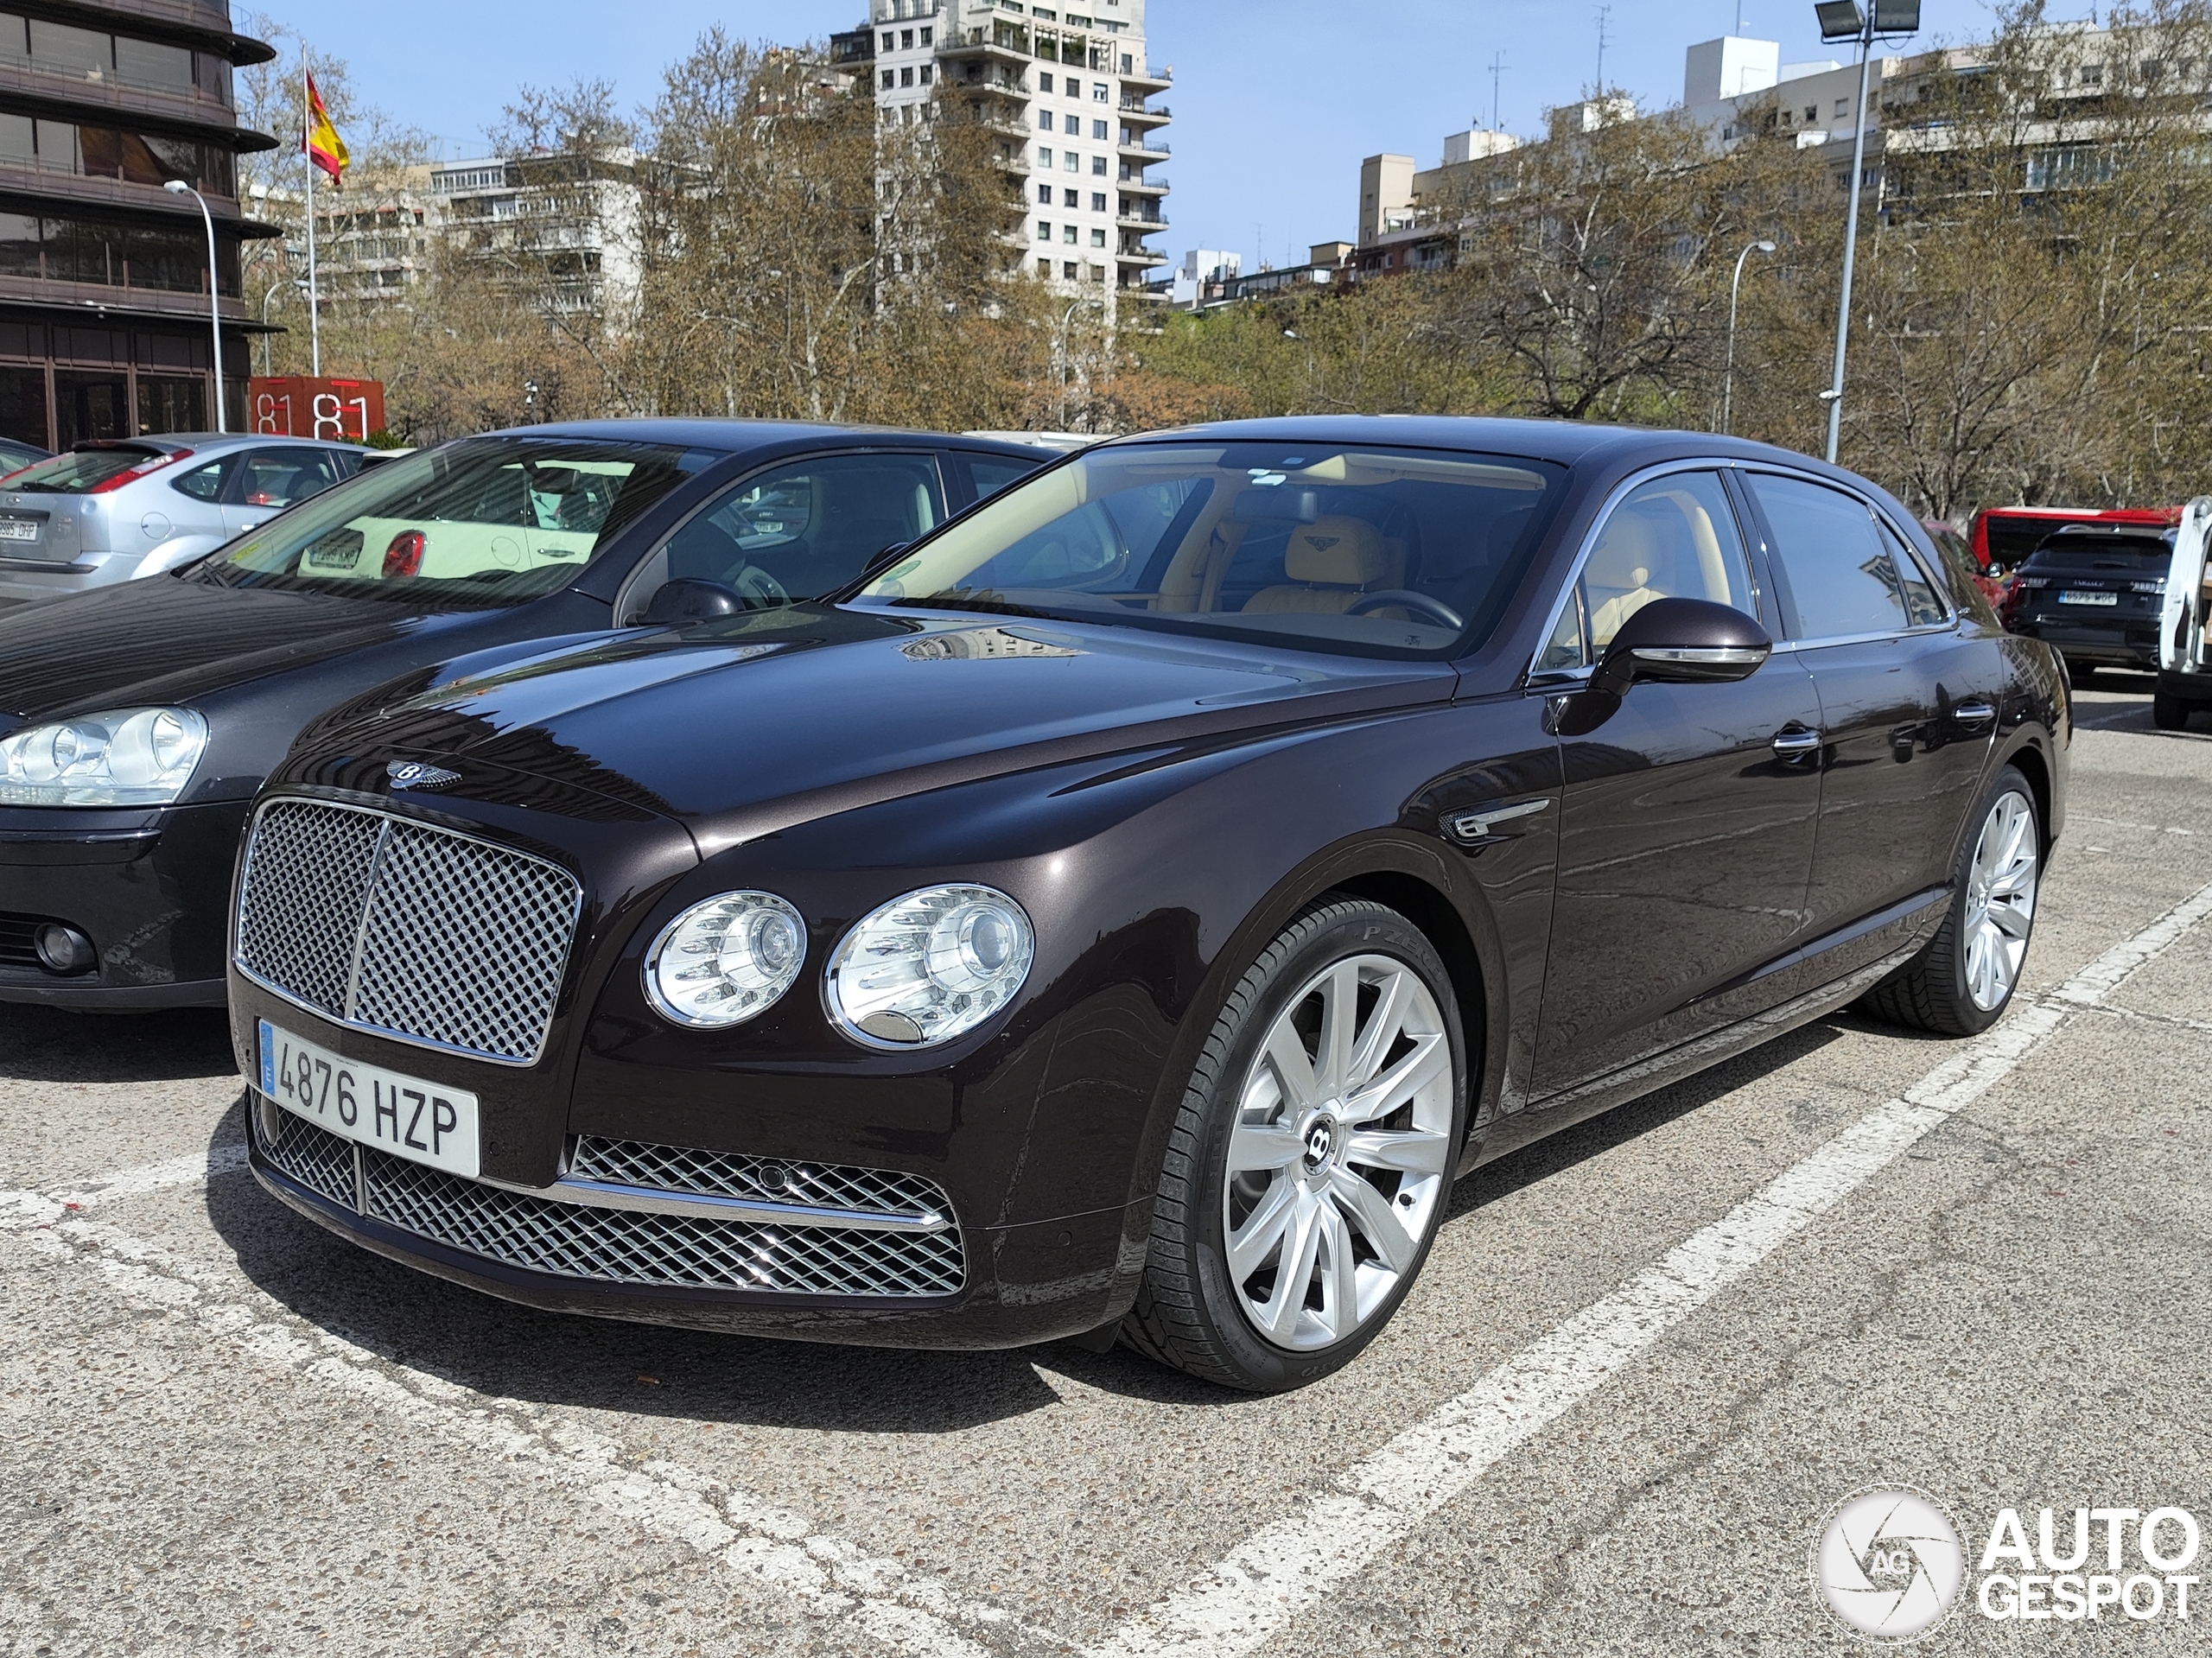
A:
(1646, 1359)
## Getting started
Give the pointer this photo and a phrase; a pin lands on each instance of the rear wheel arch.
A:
(2029, 760)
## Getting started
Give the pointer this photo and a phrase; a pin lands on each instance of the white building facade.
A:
(1069, 93)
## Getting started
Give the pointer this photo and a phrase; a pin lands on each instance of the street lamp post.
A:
(179, 188)
(1845, 19)
(1728, 374)
(1067, 352)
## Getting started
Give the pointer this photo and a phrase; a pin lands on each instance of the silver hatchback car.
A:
(114, 509)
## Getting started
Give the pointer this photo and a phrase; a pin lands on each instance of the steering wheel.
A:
(759, 590)
(1406, 599)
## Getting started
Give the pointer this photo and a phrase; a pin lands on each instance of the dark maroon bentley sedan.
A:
(1133, 905)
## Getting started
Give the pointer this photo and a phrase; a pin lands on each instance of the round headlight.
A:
(927, 967)
(725, 960)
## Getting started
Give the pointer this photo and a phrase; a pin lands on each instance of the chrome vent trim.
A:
(405, 930)
(645, 1247)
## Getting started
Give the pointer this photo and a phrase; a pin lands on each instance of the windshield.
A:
(483, 523)
(1330, 546)
(83, 471)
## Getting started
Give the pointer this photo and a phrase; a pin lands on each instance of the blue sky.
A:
(1275, 105)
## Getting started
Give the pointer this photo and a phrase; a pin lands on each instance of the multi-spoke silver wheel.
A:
(2000, 900)
(1339, 1152)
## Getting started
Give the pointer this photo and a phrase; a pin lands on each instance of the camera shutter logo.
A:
(1888, 1563)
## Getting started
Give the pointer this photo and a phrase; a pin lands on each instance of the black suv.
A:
(2093, 593)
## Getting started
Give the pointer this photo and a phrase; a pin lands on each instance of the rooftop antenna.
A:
(1603, 12)
(1497, 68)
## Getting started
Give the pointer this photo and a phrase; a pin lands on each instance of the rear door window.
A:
(992, 472)
(1839, 567)
(278, 478)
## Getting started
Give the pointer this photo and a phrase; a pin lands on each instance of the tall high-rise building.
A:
(105, 326)
(1069, 94)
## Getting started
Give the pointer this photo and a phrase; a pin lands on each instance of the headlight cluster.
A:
(131, 757)
(920, 970)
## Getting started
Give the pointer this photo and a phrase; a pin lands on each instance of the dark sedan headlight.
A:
(926, 968)
(126, 757)
(726, 959)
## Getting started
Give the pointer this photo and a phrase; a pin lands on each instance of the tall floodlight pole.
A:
(179, 188)
(1845, 19)
(1728, 374)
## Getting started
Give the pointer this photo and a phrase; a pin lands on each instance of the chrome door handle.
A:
(1971, 714)
(1796, 743)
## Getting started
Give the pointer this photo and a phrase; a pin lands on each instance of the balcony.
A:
(1144, 154)
(1140, 256)
(1136, 114)
(1000, 44)
(1156, 80)
(1143, 223)
(1137, 179)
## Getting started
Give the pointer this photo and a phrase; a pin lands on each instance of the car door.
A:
(199, 509)
(264, 482)
(799, 528)
(1687, 816)
(1908, 699)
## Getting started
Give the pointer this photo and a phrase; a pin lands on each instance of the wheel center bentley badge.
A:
(416, 774)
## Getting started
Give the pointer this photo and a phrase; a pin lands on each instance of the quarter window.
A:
(1673, 537)
(1840, 568)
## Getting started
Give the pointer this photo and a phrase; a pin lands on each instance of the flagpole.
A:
(314, 300)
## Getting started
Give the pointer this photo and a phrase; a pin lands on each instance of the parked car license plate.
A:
(18, 530)
(2076, 596)
(422, 1122)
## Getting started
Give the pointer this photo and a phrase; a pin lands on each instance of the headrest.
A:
(1626, 553)
(1343, 552)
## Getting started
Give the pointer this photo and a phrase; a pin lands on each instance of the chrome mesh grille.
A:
(720, 1174)
(307, 878)
(314, 1156)
(405, 930)
(626, 1246)
(622, 1246)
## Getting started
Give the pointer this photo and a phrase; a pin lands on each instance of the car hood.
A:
(743, 728)
(162, 640)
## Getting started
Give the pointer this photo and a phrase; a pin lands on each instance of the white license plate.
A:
(422, 1122)
(18, 530)
(2074, 596)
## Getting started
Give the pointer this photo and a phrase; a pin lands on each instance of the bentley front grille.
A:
(404, 929)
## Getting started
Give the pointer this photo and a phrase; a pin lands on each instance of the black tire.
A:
(1930, 993)
(2169, 712)
(1188, 1315)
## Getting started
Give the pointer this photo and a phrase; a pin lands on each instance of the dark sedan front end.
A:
(472, 959)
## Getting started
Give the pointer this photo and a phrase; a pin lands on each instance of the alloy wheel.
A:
(2000, 900)
(1340, 1153)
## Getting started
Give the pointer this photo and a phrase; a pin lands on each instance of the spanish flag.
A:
(319, 140)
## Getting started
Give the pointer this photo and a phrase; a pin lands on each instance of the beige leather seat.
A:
(1332, 562)
(1625, 564)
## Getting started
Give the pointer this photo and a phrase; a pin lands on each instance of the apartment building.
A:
(1069, 93)
(105, 327)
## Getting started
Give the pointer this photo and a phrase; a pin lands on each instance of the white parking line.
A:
(758, 1542)
(1290, 1564)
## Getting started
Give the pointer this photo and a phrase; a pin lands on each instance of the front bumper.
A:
(984, 1287)
(150, 889)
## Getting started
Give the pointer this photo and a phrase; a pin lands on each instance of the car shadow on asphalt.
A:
(57, 1044)
(506, 1351)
